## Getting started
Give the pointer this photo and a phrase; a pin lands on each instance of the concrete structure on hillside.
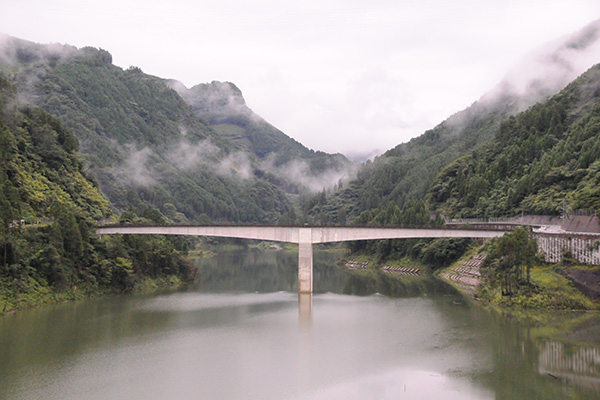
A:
(573, 223)
(575, 234)
(305, 237)
(583, 247)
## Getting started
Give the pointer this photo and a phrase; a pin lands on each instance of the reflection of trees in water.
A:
(364, 283)
(523, 364)
(519, 363)
(248, 270)
(266, 271)
(45, 335)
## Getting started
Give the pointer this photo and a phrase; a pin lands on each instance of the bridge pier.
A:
(305, 261)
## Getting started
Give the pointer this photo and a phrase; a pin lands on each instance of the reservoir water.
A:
(242, 332)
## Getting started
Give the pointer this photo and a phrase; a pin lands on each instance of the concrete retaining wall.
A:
(584, 248)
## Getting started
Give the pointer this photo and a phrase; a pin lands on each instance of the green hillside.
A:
(144, 144)
(223, 106)
(48, 211)
(406, 172)
(539, 161)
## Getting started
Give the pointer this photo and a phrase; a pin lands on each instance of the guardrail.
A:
(464, 221)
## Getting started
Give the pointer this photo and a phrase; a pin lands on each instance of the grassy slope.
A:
(550, 290)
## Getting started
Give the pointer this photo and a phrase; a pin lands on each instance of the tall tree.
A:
(511, 258)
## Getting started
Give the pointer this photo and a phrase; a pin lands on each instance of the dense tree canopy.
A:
(48, 212)
(510, 260)
(147, 146)
(539, 160)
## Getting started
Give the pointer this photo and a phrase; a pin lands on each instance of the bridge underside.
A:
(304, 236)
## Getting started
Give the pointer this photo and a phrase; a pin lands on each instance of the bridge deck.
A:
(318, 234)
(305, 236)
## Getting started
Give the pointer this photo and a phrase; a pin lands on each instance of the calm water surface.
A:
(243, 333)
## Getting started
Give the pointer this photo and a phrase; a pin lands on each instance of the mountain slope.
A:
(223, 106)
(144, 144)
(406, 172)
(540, 161)
(48, 211)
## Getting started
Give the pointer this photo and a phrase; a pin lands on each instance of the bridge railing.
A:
(450, 227)
(465, 221)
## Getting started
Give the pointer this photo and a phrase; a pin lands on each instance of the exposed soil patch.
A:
(586, 280)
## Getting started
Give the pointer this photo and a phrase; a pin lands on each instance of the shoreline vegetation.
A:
(550, 288)
(508, 272)
(34, 294)
(23, 295)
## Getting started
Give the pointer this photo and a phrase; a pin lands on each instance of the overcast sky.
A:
(350, 76)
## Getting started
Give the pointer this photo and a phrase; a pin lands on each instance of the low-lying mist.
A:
(140, 166)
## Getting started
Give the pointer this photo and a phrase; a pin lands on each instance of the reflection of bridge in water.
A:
(306, 236)
(578, 364)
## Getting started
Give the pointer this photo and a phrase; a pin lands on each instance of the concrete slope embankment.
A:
(465, 276)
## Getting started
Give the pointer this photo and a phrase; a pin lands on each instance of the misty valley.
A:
(85, 144)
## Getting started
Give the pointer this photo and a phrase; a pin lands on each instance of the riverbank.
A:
(405, 266)
(553, 287)
(16, 296)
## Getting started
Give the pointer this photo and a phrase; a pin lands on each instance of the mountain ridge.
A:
(405, 172)
(544, 160)
(147, 146)
(223, 106)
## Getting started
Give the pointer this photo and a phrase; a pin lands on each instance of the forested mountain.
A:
(223, 106)
(539, 161)
(48, 211)
(201, 154)
(406, 172)
(147, 146)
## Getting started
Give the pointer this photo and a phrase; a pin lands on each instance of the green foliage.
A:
(140, 139)
(510, 260)
(432, 252)
(547, 290)
(406, 172)
(540, 159)
(48, 208)
(442, 252)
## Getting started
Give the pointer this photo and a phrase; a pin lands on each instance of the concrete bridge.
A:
(306, 236)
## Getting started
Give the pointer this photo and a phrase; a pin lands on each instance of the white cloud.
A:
(298, 172)
(134, 169)
(185, 155)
